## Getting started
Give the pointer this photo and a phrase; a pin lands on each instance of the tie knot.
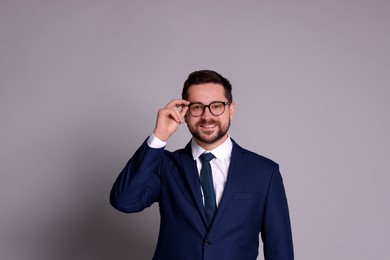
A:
(206, 157)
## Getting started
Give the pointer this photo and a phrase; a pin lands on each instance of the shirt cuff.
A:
(155, 142)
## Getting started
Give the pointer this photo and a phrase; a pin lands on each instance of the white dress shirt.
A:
(219, 165)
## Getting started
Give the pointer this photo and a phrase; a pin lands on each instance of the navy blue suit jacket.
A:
(253, 202)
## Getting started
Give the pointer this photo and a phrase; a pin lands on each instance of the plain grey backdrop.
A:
(81, 82)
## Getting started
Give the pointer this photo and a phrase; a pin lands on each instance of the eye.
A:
(196, 107)
(216, 105)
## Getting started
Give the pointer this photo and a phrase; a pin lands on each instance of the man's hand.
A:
(169, 118)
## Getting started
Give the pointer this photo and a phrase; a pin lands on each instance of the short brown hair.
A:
(207, 76)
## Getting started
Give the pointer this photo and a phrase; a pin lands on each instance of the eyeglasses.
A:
(216, 108)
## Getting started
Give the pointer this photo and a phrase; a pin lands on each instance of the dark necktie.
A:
(206, 180)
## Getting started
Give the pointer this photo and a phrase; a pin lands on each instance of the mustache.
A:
(208, 122)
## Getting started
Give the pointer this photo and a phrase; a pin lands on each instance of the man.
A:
(211, 208)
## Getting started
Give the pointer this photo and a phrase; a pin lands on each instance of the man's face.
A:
(208, 130)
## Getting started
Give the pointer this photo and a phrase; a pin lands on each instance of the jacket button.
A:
(207, 243)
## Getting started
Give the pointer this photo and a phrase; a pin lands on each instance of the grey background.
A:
(81, 82)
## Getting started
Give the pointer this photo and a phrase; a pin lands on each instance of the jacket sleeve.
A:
(276, 228)
(138, 185)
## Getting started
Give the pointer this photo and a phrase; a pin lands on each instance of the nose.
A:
(207, 113)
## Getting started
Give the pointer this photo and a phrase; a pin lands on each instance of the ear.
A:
(231, 110)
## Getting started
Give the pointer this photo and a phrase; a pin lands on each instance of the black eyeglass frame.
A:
(224, 103)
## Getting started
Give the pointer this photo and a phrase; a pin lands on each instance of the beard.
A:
(209, 137)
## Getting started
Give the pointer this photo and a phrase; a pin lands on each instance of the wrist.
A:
(155, 141)
(163, 136)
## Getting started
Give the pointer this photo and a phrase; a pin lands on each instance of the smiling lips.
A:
(208, 125)
(208, 130)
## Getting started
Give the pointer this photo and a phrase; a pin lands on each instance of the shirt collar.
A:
(221, 152)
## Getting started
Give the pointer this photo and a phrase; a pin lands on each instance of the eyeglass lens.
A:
(216, 108)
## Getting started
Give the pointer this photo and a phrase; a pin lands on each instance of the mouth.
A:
(208, 126)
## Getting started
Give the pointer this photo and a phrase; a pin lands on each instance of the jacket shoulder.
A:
(253, 157)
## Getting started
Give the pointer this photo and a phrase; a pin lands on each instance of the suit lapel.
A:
(191, 173)
(236, 168)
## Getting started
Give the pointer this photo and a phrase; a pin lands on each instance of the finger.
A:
(177, 103)
(175, 114)
(183, 112)
(178, 108)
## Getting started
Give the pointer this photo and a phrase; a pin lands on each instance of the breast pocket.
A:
(246, 195)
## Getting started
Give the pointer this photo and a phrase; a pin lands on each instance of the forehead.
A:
(207, 92)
